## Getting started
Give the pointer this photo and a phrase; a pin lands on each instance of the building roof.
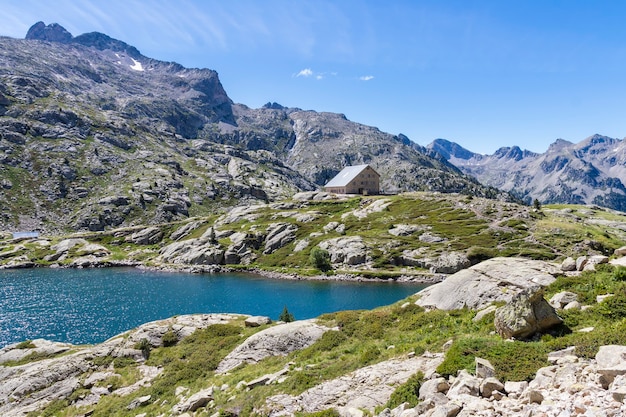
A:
(346, 175)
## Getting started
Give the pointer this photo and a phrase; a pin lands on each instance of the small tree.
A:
(537, 205)
(212, 237)
(320, 259)
(286, 316)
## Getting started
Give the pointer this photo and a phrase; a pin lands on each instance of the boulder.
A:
(563, 298)
(497, 279)
(611, 362)
(192, 252)
(620, 251)
(350, 250)
(147, 236)
(490, 385)
(581, 261)
(404, 229)
(526, 314)
(569, 264)
(464, 384)
(275, 341)
(197, 400)
(257, 321)
(484, 368)
(433, 386)
(449, 263)
(279, 235)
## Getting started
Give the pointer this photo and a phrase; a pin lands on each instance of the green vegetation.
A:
(286, 316)
(407, 392)
(320, 259)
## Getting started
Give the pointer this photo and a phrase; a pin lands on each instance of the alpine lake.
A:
(86, 306)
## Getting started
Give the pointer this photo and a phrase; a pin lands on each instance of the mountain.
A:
(95, 135)
(589, 172)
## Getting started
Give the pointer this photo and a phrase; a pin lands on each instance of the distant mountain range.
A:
(95, 135)
(592, 171)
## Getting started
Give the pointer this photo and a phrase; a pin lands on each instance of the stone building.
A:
(357, 179)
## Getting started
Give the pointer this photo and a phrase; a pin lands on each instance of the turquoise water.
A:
(92, 305)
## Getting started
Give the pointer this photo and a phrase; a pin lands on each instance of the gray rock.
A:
(147, 236)
(464, 384)
(484, 368)
(450, 263)
(428, 237)
(196, 401)
(192, 252)
(569, 264)
(279, 235)
(257, 321)
(365, 388)
(526, 314)
(611, 362)
(489, 386)
(563, 298)
(275, 341)
(404, 229)
(581, 261)
(515, 388)
(139, 402)
(349, 250)
(484, 312)
(433, 386)
(497, 279)
(620, 251)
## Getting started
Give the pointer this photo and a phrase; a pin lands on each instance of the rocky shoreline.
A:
(418, 279)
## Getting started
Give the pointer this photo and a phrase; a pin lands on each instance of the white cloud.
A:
(319, 77)
(307, 72)
(366, 77)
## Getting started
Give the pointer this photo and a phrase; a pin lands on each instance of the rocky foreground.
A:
(38, 374)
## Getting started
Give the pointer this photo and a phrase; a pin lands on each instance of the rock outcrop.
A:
(365, 388)
(275, 341)
(497, 279)
(30, 387)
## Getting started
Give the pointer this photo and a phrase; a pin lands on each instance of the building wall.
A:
(367, 182)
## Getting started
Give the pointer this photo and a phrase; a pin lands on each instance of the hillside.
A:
(589, 172)
(94, 135)
(354, 361)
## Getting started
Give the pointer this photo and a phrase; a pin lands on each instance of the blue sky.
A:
(484, 74)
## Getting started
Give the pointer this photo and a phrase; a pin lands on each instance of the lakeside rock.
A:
(497, 279)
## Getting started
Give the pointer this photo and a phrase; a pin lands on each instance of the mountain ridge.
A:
(588, 172)
(94, 135)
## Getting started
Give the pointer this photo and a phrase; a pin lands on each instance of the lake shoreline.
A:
(418, 279)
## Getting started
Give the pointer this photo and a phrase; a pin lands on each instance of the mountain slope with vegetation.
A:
(94, 135)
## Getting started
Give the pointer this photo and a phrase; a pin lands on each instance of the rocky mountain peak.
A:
(559, 144)
(103, 42)
(449, 149)
(51, 33)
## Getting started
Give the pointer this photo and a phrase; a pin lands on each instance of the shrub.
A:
(369, 355)
(407, 392)
(619, 274)
(529, 357)
(320, 259)
(169, 338)
(144, 346)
